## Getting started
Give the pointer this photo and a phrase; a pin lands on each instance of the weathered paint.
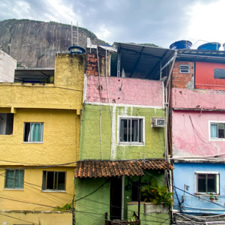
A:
(91, 206)
(191, 134)
(198, 99)
(124, 91)
(204, 76)
(32, 198)
(91, 144)
(7, 67)
(193, 204)
(65, 93)
(43, 218)
(58, 107)
(60, 139)
(91, 209)
(149, 219)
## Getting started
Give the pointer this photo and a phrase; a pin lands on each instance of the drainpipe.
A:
(167, 106)
(122, 198)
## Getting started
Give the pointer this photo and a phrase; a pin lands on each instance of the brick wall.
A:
(183, 80)
(92, 62)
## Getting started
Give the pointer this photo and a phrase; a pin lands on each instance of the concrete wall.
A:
(192, 203)
(91, 209)
(57, 106)
(191, 134)
(7, 67)
(48, 218)
(124, 91)
(32, 197)
(100, 130)
(149, 219)
(60, 138)
(198, 99)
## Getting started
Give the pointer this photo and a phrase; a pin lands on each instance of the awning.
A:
(106, 168)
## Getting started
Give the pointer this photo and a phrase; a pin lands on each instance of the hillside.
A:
(35, 43)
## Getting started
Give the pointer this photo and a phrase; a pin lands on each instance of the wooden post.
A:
(139, 197)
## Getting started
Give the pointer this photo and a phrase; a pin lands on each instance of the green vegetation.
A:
(157, 194)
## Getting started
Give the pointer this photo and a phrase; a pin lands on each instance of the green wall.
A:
(104, 146)
(91, 209)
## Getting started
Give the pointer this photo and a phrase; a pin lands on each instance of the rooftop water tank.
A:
(76, 50)
(210, 46)
(183, 44)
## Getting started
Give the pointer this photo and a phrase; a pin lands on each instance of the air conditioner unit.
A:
(158, 122)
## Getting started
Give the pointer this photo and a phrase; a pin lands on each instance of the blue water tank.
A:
(210, 46)
(76, 50)
(181, 45)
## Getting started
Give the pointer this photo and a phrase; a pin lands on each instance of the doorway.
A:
(115, 198)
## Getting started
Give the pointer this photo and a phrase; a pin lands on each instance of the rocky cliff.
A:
(34, 43)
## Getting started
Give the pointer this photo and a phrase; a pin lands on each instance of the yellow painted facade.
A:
(58, 107)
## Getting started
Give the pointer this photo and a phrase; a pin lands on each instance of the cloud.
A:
(142, 21)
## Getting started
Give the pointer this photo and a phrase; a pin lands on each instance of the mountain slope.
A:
(35, 43)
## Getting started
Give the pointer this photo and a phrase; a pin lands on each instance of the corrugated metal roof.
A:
(143, 59)
(106, 168)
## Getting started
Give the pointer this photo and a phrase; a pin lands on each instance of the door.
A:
(115, 198)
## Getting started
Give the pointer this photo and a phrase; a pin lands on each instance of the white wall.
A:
(7, 67)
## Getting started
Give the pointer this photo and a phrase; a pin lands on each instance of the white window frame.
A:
(180, 70)
(209, 125)
(52, 190)
(217, 184)
(31, 124)
(130, 143)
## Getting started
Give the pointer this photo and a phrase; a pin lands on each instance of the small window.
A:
(33, 132)
(207, 182)
(219, 73)
(217, 130)
(6, 123)
(54, 181)
(184, 69)
(131, 130)
(14, 179)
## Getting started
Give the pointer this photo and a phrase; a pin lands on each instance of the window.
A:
(207, 182)
(219, 73)
(131, 130)
(14, 179)
(6, 123)
(33, 132)
(54, 181)
(184, 69)
(217, 130)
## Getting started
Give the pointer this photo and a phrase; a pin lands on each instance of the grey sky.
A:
(141, 21)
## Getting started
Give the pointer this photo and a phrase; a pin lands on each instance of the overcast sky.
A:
(141, 21)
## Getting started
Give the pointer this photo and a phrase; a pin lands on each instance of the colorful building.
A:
(123, 138)
(198, 134)
(39, 139)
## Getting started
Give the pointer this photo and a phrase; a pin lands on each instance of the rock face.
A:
(34, 44)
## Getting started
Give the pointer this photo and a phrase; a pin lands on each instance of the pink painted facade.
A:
(128, 91)
(191, 134)
(198, 99)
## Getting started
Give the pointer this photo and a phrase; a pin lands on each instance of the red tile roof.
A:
(106, 168)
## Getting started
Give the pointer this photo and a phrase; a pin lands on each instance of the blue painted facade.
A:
(191, 202)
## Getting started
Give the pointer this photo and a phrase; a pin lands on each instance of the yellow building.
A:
(39, 142)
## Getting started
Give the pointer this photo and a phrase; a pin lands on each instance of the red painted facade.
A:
(204, 76)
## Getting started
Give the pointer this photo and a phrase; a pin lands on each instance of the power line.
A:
(32, 223)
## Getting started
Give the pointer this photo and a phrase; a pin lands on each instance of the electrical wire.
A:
(32, 223)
